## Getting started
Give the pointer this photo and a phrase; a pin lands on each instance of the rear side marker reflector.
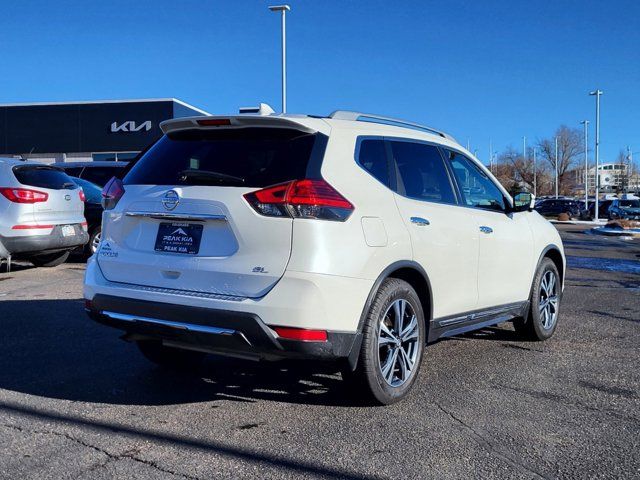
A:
(309, 198)
(30, 227)
(301, 334)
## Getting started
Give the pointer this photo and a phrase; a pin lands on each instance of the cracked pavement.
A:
(77, 402)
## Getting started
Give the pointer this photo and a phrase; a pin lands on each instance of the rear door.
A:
(183, 223)
(63, 205)
(443, 235)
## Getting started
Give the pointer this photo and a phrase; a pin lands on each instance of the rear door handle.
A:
(420, 221)
(485, 229)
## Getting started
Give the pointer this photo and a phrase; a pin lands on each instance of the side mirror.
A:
(523, 201)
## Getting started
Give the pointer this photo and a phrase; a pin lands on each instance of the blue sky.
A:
(479, 70)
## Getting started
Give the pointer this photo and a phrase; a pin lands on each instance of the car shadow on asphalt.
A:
(50, 348)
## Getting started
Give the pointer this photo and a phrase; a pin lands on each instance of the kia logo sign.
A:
(130, 126)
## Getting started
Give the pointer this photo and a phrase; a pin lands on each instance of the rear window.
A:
(101, 175)
(43, 177)
(248, 157)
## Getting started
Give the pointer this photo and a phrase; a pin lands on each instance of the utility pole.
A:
(490, 156)
(597, 94)
(535, 175)
(629, 167)
(283, 9)
(556, 167)
(586, 164)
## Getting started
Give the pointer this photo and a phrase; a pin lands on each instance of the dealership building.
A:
(85, 131)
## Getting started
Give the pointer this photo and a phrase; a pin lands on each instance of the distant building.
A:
(614, 177)
(84, 131)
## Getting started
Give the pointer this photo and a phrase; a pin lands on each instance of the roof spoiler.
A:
(234, 121)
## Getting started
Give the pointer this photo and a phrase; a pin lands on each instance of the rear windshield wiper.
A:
(69, 185)
(209, 175)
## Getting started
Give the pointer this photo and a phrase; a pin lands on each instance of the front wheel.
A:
(392, 346)
(546, 294)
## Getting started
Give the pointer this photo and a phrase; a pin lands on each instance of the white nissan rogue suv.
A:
(352, 237)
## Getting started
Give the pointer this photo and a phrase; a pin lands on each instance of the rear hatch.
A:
(183, 223)
(63, 204)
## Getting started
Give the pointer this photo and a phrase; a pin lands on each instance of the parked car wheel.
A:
(393, 344)
(545, 298)
(94, 241)
(50, 259)
(169, 357)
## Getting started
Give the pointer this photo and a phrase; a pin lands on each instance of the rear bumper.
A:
(44, 243)
(231, 333)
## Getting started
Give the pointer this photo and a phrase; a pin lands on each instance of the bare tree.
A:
(570, 150)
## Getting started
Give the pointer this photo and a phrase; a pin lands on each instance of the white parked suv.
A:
(352, 237)
(41, 213)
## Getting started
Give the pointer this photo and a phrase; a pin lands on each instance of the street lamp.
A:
(597, 94)
(556, 167)
(586, 164)
(535, 175)
(283, 9)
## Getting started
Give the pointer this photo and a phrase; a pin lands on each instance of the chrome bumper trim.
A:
(177, 216)
(167, 323)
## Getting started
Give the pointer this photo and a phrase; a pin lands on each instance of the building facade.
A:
(614, 177)
(85, 131)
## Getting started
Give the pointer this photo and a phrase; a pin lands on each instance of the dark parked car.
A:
(627, 209)
(552, 207)
(99, 172)
(92, 213)
(603, 210)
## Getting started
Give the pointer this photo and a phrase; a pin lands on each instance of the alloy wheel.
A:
(398, 343)
(549, 301)
(95, 242)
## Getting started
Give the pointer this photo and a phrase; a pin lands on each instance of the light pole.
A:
(597, 94)
(283, 9)
(586, 164)
(556, 167)
(524, 153)
(535, 175)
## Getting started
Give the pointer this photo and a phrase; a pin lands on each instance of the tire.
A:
(50, 259)
(542, 320)
(94, 240)
(169, 357)
(388, 366)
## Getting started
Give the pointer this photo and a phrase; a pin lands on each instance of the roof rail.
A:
(369, 117)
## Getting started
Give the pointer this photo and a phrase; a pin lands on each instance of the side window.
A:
(477, 189)
(373, 158)
(422, 173)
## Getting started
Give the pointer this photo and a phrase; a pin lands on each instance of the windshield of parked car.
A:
(629, 203)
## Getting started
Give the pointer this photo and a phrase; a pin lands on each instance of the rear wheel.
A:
(546, 294)
(168, 357)
(50, 259)
(392, 346)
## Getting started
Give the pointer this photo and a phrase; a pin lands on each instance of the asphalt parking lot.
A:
(77, 402)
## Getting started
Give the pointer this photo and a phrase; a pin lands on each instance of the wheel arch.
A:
(412, 273)
(553, 253)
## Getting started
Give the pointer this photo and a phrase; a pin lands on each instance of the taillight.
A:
(81, 194)
(111, 193)
(301, 334)
(307, 198)
(24, 195)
